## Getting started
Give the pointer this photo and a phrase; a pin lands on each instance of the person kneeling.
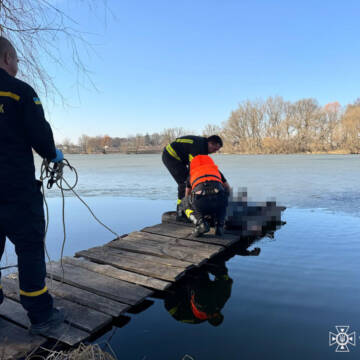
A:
(206, 195)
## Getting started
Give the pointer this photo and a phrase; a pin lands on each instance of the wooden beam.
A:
(80, 316)
(106, 255)
(16, 342)
(106, 286)
(159, 249)
(184, 232)
(13, 311)
(119, 273)
(206, 251)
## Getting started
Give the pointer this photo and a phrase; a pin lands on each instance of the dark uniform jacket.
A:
(186, 147)
(22, 128)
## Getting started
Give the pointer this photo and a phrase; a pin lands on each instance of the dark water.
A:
(283, 302)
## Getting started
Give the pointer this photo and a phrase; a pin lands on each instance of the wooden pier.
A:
(100, 284)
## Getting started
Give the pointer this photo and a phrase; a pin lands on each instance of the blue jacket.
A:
(22, 128)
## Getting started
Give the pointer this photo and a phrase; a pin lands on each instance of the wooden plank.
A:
(109, 256)
(184, 232)
(65, 333)
(80, 316)
(83, 297)
(170, 217)
(87, 298)
(207, 250)
(16, 342)
(160, 249)
(151, 259)
(117, 290)
(119, 274)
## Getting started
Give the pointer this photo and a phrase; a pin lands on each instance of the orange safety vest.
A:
(201, 315)
(203, 168)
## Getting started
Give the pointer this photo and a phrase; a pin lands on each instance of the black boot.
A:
(201, 227)
(219, 231)
(56, 318)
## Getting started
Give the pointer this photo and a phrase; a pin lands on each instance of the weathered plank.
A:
(170, 217)
(99, 284)
(146, 258)
(184, 232)
(119, 273)
(107, 255)
(87, 298)
(207, 249)
(160, 249)
(65, 333)
(83, 297)
(203, 249)
(16, 342)
(80, 316)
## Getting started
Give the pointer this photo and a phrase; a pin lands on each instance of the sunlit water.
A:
(283, 302)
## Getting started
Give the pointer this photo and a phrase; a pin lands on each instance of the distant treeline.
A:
(271, 126)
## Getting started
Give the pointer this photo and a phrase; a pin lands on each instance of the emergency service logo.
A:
(342, 339)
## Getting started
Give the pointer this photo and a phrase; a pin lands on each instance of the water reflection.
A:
(203, 294)
(201, 299)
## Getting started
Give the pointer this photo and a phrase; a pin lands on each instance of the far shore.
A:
(333, 152)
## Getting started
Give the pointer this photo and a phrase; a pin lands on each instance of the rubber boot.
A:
(193, 219)
(179, 213)
(201, 228)
(219, 231)
(56, 318)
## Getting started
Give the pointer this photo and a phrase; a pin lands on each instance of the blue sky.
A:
(159, 64)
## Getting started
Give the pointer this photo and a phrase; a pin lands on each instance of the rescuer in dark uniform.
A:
(178, 155)
(22, 128)
(207, 193)
(201, 299)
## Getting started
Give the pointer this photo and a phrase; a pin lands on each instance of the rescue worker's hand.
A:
(59, 156)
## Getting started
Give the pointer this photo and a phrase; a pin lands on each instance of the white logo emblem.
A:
(342, 338)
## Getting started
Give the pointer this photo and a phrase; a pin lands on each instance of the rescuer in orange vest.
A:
(201, 299)
(178, 155)
(206, 194)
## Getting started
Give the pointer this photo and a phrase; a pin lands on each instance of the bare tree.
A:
(83, 142)
(37, 28)
(171, 134)
(211, 130)
(351, 128)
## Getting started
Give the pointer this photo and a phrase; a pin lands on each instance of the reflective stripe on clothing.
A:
(185, 141)
(34, 293)
(172, 152)
(10, 95)
(188, 212)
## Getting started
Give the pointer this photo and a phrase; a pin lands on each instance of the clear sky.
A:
(165, 63)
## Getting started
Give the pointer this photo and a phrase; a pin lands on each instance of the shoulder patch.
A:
(37, 101)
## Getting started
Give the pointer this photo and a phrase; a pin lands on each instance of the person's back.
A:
(17, 135)
(206, 194)
(22, 128)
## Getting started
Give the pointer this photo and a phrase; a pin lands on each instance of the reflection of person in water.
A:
(201, 299)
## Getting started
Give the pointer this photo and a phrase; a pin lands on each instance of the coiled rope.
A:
(54, 174)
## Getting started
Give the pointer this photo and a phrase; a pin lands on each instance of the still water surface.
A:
(283, 302)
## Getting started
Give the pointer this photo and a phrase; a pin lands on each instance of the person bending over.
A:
(178, 155)
(207, 193)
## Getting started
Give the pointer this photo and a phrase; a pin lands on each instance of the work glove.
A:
(59, 156)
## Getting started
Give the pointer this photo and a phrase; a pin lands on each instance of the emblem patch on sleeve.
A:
(37, 101)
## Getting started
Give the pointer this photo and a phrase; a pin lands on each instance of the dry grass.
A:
(82, 352)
